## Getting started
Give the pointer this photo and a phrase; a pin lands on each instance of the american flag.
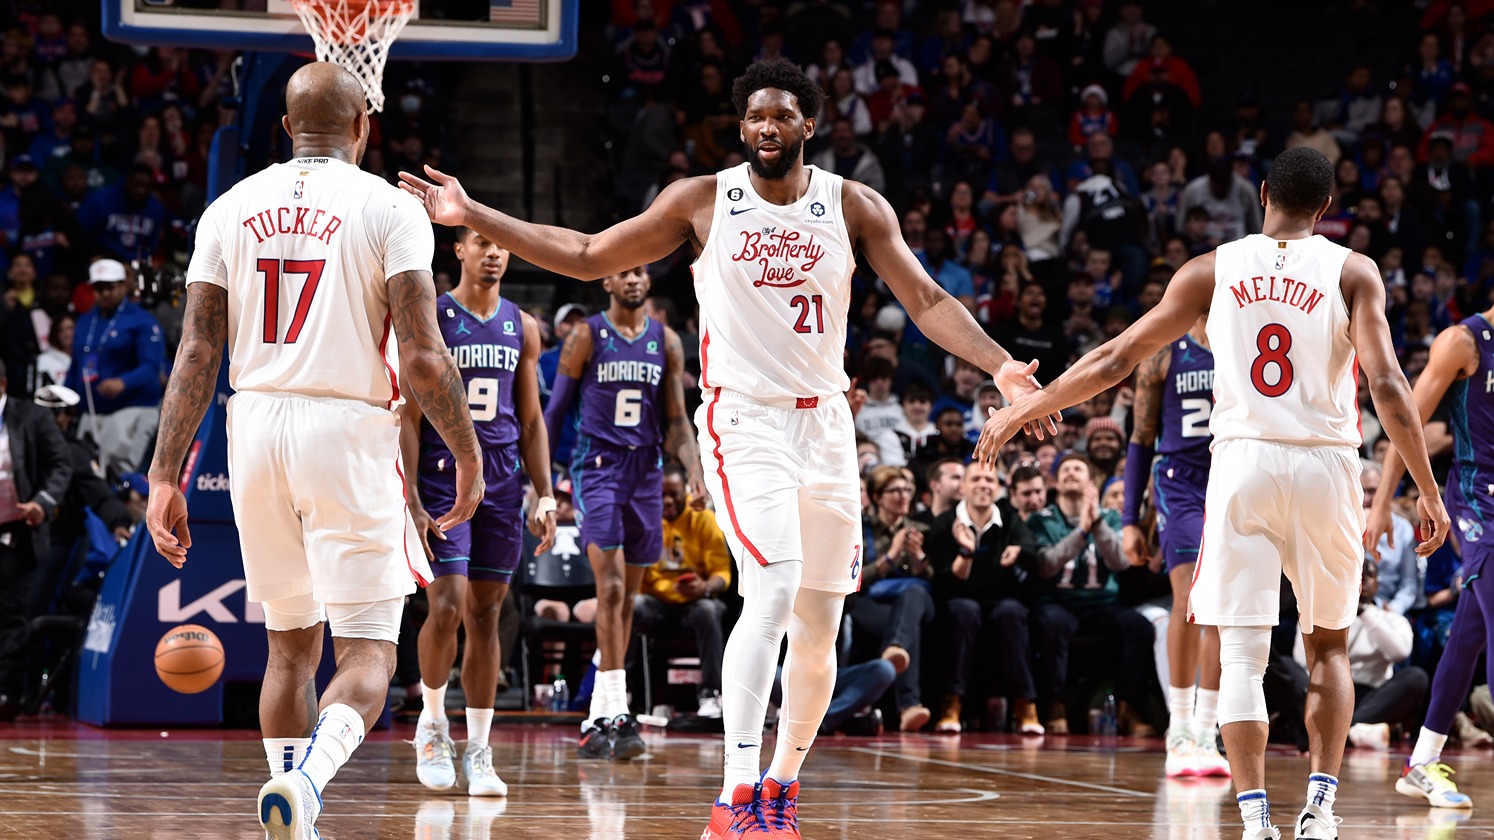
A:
(523, 12)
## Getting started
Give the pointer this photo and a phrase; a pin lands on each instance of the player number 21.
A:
(1273, 343)
(274, 270)
(803, 304)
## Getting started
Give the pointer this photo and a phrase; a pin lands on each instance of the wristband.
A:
(966, 553)
(545, 505)
(1138, 464)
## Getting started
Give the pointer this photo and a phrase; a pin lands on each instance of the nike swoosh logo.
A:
(801, 749)
(745, 746)
(738, 211)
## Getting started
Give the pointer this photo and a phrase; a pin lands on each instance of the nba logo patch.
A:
(1281, 261)
(299, 190)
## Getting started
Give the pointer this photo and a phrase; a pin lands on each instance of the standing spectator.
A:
(850, 158)
(1379, 641)
(1128, 41)
(34, 475)
(119, 359)
(896, 602)
(1077, 590)
(126, 219)
(682, 588)
(1233, 204)
(981, 552)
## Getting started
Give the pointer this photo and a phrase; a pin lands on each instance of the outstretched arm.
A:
(937, 313)
(679, 438)
(1187, 297)
(193, 382)
(1364, 292)
(436, 384)
(650, 236)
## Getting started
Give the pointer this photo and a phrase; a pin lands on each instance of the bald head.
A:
(325, 109)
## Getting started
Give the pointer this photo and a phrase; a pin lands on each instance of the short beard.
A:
(780, 170)
(631, 304)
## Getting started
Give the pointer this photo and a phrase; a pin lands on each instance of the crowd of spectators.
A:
(1052, 163)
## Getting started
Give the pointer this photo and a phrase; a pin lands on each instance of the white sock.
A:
(1321, 791)
(1179, 706)
(1206, 710)
(435, 705)
(1254, 809)
(744, 762)
(479, 724)
(338, 732)
(598, 701)
(284, 754)
(614, 687)
(1428, 747)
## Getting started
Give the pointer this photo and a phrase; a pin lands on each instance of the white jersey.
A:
(1284, 366)
(304, 249)
(774, 285)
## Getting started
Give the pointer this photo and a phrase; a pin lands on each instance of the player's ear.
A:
(285, 123)
(808, 127)
(1264, 193)
(1323, 211)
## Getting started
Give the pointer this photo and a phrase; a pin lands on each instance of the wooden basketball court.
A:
(60, 780)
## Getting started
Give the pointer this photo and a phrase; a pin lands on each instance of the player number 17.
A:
(276, 270)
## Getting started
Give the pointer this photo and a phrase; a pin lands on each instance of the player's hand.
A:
(1000, 427)
(425, 524)
(544, 528)
(1133, 543)
(470, 489)
(700, 498)
(1015, 379)
(445, 200)
(1377, 524)
(166, 519)
(1434, 523)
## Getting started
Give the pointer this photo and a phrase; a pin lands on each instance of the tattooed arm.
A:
(436, 384)
(1146, 416)
(679, 438)
(193, 383)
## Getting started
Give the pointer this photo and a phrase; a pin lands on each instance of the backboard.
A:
(441, 30)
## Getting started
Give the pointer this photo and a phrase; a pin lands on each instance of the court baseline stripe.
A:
(980, 768)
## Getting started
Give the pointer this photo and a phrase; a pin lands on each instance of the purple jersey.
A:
(622, 387)
(487, 353)
(1187, 399)
(1470, 483)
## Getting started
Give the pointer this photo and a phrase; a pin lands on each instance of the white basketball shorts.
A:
(783, 477)
(319, 501)
(1270, 509)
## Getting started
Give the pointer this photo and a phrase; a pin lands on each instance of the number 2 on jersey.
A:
(273, 270)
(803, 304)
(1272, 355)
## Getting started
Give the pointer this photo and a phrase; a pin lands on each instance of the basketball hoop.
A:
(356, 34)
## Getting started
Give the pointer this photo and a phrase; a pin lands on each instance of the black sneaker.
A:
(596, 741)
(626, 742)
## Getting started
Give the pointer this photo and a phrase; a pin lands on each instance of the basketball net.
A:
(356, 34)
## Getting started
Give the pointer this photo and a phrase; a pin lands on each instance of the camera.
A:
(156, 285)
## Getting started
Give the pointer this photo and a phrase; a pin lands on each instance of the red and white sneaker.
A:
(780, 808)
(743, 815)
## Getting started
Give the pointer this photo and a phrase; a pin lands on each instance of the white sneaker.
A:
(1317, 823)
(288, 807)
(1206, 758)
(433, 756)
(1267, 833)
(1431, 782)
(477, 766)
(1374, 736)
(710, 705)
(1181, 753)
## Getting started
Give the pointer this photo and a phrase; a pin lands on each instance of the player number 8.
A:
(1273, 342)
(629, 408)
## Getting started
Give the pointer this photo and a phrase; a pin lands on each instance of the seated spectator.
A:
(1443, 193)
(850, 158)
(913, 430)
(1127, 42)
(1082, 326)
(987, 397)
(896, 602)
(944, 481)
(119, 362)
(844, 103)
(832, 61)
(1473, 136)
(868, 73)
(1104, 446)
(938, 258)
(681, 589)
(1307, 132)
(164, 78)
(1233, 204)
(1093, 117)
(908, 147)
(1076, 590)
(57, 141)
(950, 442)
(882, 411)
(53, 363)
(962, 222)
(710, 118)
(126, 219)
(1033, 79)
(1400, 572)
(1379, 640)
(981, 553)
(857, 687)
(1032, 335)
(1355, 108)
(34, 477)
(1175, 71)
